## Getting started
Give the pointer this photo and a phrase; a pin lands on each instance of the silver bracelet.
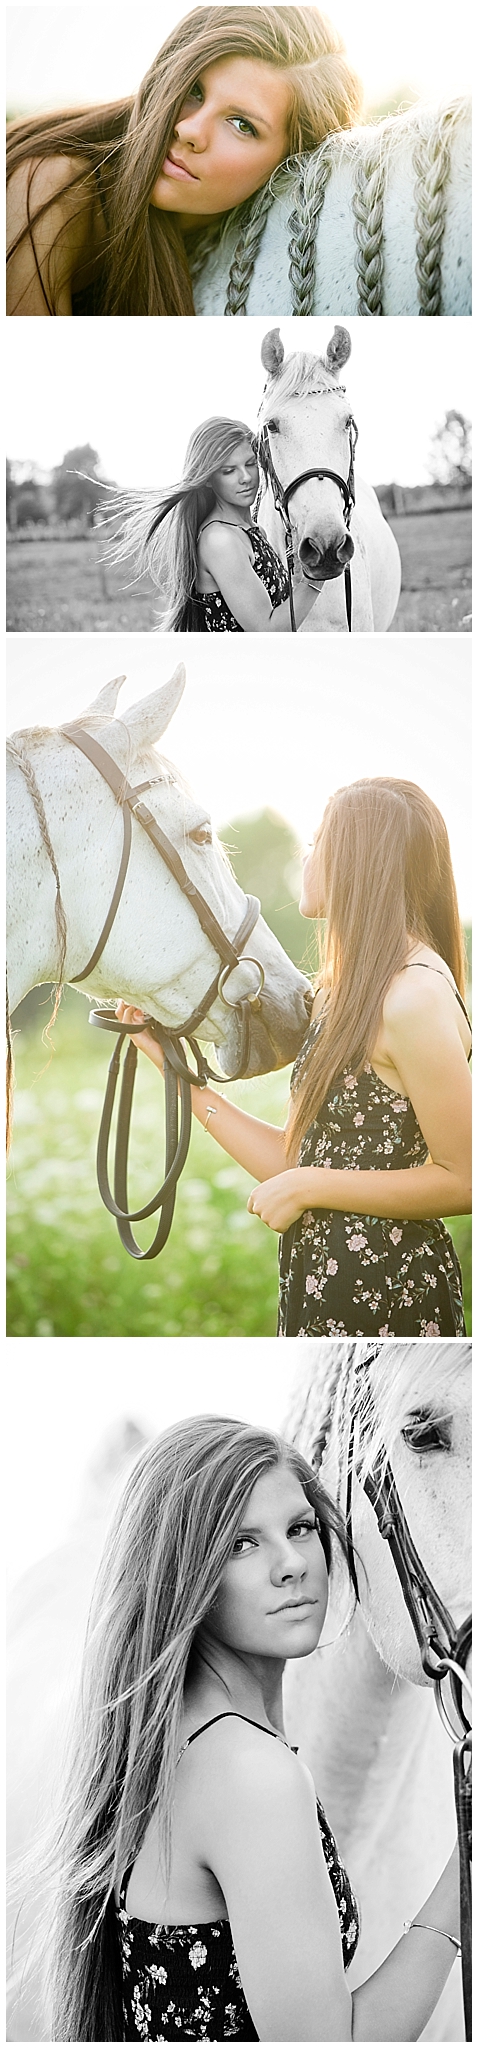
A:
(407, 1924)
(209, 1112)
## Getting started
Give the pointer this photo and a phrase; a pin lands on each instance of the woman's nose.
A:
(191, 127)
(288, 1564)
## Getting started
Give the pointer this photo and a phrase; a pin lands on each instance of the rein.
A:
(178, 1075)
(282, 495)
(443, 1648)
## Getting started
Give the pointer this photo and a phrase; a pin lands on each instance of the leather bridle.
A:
(178, 1075)
(282, 495)
(444, 1649)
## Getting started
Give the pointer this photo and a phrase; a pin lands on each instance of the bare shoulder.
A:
(318, 1004)
(424, 989)
(61, 190)
(251, 1766)
(221, 542)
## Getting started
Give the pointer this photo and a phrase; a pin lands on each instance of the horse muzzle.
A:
(322, 565)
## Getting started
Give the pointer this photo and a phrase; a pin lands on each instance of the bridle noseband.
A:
(177, 1072)
(283, 494)
(443, 1648)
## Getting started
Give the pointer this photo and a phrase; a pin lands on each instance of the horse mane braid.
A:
(303, 231)
(60, 919)
(431, 161)
(245, 253)
(367, 204)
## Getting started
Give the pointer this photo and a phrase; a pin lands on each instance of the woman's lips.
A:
(173, 170)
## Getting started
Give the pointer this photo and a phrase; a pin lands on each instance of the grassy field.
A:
(67, 1274)
(61, 586)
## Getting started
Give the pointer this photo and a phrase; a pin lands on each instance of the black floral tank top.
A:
(183, 1983)
(217, 616)
(349, 1275)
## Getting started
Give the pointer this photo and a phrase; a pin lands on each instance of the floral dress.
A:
(363, 1276)
(217, 616)
(183, 1983)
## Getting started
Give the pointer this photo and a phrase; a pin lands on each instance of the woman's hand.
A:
(280, 1201)
(129, 1014)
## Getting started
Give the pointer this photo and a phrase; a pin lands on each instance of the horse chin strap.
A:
(444, 1649)
(179, 1077)
(282, 495)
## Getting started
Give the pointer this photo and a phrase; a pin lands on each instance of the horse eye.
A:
(423, 1434)
(273, 426)
(201, 835)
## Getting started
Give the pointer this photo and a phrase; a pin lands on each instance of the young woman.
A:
(213, 565)
(107, 202)
(201, 1893)
(377, 1144)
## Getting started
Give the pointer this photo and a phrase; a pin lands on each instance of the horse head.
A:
(66, 832)
(405, 1406)
(306, 445)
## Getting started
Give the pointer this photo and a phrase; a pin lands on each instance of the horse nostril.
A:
(310, 556)
(346, 549)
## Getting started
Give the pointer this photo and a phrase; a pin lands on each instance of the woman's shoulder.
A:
(423, 989)
(57, 197)
(244, 1755)
(219, 541)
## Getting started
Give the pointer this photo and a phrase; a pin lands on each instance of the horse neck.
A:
(362, 1731)
(32, 942)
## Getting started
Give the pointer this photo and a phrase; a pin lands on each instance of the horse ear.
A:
(338, 350)
(106, 701)
(272, 352)
(147, 720)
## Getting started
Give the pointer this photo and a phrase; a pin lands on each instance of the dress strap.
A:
(228, 1715)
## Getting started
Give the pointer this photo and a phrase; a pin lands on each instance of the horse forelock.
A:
(302, 376)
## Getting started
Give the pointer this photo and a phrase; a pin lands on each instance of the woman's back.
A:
(184, 1957)
(68, 237)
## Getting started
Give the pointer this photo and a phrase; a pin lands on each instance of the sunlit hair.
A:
(158, 531)
(387, 877)
(142, 267)
(168, 1545)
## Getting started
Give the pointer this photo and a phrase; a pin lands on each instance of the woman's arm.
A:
(264, 1846)
(422, 1041)
(257, 1146)
(63, 237)
(395, 2004)
(224, 553)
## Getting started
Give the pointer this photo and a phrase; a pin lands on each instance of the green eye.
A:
(242, 126)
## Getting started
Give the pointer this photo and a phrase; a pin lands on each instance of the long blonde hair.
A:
(158, 531)
(143, 267)
(163, 1561)
(387, 877)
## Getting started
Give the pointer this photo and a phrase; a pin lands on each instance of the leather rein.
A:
(179, 1077)
(443, 1648)
(282, 495)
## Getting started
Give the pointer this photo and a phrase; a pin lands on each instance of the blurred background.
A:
(126, 421)
(68, 55)
(263, 755)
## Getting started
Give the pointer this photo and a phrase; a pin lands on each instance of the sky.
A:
(254, 730)
(138, 405)
(60, 1409)
(55, 58)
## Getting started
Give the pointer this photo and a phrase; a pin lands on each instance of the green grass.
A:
(67, 1273)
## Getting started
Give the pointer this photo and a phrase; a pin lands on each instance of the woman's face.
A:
(237, 483)
(273, 1594)
(312, 896)
(229, 136)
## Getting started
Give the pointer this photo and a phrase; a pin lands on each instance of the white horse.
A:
(377, 221)
(360, 1707)
(64, 846)
(305, 422)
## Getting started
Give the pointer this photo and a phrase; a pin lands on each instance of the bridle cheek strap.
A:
(179, 1077)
